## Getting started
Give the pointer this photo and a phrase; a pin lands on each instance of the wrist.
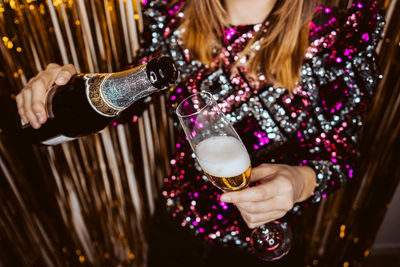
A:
(307, 182)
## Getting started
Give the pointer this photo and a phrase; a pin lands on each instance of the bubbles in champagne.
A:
(222, 156)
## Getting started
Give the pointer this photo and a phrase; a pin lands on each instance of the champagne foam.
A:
(222, 156)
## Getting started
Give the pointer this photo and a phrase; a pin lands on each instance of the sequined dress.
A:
(318, 125)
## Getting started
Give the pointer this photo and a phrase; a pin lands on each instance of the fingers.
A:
(251, 194)
(256, 193)
(263, 172)
(39, 87)
(20, 105)
(28, 113)
(277, 203)
(255, 220)
(31, 99)
(65, 74)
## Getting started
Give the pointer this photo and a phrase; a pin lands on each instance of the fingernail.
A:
(24, 121)
(225, 198)
(60, 80)
(40, 117)
(35, 125)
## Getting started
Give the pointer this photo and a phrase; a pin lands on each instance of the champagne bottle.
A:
(89, 102)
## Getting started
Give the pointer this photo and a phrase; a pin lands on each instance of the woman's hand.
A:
(31, 99)
(281, 187)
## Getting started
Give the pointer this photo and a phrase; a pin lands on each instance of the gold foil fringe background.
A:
(103, 186)
(88, 202)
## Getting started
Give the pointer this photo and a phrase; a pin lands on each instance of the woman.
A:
(295, 85)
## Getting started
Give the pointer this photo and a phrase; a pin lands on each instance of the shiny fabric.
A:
(318, 125)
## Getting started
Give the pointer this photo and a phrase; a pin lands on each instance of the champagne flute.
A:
(226, 162)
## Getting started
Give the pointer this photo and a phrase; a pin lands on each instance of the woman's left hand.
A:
(281, 187)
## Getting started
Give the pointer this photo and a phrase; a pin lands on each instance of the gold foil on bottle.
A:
(95, 95)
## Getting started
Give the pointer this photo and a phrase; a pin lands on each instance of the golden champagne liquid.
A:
(225, 161)
(234, 183)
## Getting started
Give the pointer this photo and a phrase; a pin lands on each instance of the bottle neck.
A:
(121, 89)
(111, 93)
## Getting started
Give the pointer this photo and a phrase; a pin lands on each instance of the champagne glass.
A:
(226, 162)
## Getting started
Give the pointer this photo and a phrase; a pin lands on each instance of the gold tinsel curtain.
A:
(88, 202)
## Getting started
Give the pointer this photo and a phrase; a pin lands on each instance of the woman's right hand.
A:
(31, 99)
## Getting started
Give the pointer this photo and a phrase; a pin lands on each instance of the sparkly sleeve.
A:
(160, 18)
(344, 77)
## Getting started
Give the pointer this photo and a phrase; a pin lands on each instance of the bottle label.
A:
(57, 140)
(95, 95)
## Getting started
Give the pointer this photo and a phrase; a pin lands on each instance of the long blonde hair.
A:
(282, 44)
